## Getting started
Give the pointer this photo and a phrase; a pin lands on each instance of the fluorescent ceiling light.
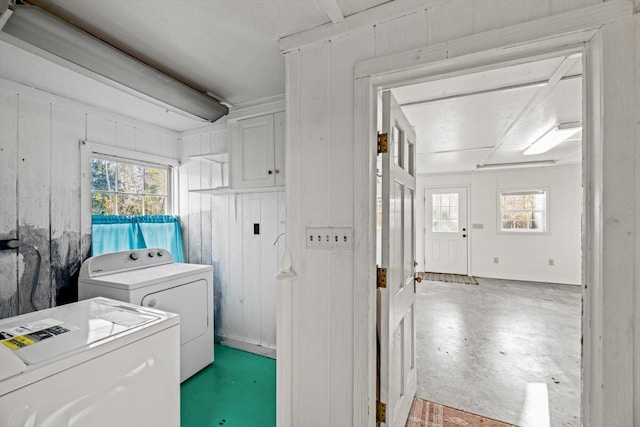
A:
(41, 33)
(516, 165)
(552, 138)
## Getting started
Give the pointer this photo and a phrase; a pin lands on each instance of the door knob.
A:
(418, 279)
(464, 229)
(270, 172)
(464, 235)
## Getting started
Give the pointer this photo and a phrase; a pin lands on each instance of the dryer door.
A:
(190, 301)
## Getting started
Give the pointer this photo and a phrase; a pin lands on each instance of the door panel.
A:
(255, 152)
(446, 230)
(397, 372)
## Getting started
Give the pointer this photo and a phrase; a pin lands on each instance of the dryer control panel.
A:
(116, 262)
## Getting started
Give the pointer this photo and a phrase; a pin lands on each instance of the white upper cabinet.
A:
(257, 152)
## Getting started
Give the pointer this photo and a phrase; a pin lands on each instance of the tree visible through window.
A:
(523, 211)
(126, 188)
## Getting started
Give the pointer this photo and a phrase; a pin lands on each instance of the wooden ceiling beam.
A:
(537, 98)
(331, 8)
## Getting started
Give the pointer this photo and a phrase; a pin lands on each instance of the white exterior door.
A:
(446, 230)
(396, 301)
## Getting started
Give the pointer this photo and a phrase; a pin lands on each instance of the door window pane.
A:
(396, 140)
(445, 213)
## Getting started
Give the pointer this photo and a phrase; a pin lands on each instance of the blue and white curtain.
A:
(114, 233)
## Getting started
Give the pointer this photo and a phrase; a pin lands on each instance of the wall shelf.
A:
(211, 157)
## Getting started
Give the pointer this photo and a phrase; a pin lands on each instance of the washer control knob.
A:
(160, 253)
(152, 302)
(134, 255)
(151, 254)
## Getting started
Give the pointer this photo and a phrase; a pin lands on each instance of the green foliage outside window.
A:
(122, 188)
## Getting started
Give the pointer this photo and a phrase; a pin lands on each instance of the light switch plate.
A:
(342, 238)
(318, 238)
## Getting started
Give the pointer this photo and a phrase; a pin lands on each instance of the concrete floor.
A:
(507, 350)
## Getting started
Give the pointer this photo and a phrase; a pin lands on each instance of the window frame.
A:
(89, 150)
(525, 231)
(120, 160)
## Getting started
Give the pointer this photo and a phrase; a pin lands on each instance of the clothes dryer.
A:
(151, 278)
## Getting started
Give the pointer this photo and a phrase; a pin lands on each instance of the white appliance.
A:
(98, 363)
(151, 278)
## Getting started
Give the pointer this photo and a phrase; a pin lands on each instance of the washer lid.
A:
(141, 278)
(41, 337)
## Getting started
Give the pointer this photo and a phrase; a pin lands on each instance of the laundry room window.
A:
(524, 211)
(121, 187)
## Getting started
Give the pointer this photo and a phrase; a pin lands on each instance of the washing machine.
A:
(98, 363)
(151, 278)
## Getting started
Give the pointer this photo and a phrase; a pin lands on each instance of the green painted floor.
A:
(237, 390)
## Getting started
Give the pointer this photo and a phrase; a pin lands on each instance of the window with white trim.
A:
(122, 187)
(524, 211)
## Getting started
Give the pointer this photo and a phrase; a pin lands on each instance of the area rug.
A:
(428, 414)
(451, 278)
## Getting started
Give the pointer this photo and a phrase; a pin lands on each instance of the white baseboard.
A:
(245, 346)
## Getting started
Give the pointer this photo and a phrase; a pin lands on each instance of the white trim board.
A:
(552, 34)
(261, 107)
(89, 148)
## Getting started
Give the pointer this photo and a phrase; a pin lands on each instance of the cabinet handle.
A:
(277, 171)
(270, 172)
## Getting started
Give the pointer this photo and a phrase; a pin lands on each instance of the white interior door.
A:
(396, 301)
(446, 230)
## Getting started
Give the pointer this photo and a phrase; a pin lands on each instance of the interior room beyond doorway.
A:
(503, 349)
(480, 132)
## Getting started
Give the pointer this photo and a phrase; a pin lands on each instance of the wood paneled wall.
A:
(219, 230)
(40, 138)
(324, 381)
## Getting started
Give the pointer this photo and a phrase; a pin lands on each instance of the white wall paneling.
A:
(34, 170)
(219, 230)
(41, 187)
(313, 107)
(619, 280)
(521, 256)
(9, 206)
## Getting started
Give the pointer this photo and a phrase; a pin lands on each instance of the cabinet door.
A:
(253, 153)
(279, 147)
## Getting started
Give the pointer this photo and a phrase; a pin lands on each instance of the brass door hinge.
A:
(383, 143)
(382, 277)
(381, 412)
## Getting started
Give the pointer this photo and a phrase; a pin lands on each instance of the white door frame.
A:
(579, 33)
(423, 240)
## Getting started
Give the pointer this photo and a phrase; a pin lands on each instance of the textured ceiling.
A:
(493, 116)
(228, 48)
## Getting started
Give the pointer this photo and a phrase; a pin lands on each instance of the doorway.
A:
(524, 209)
(501, 156)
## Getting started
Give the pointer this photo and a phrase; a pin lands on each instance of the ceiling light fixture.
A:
(36, 31)
(516, 165)
(554, 137)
